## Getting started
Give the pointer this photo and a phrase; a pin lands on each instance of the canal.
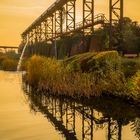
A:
(26, 114)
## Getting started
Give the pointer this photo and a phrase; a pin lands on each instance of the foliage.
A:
(9, 64)
(130, 66)
(101, 74)
(134, 87)
(102, 34)
(8, 61)
(129, 36)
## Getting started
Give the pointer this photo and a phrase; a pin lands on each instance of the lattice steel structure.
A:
(88, 16)
(50, 27)
(116, 16)
(59, 20)
(70, 16)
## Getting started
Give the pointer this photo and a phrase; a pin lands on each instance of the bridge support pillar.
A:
(116, 16)
(88, 16)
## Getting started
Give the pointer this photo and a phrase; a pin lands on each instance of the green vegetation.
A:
(92, 75)
(134, 87)
(130, 66)
(88, 74)
(8, 61)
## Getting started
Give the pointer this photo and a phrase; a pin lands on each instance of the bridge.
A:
(7, 48)
(59, 20)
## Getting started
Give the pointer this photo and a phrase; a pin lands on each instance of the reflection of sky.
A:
(16, 15)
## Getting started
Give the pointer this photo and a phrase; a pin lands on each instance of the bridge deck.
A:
(8, 47)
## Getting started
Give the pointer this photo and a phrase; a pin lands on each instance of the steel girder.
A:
(50, 27)
(58, 22)
(88, 16)
(115, 16)
(70, 15)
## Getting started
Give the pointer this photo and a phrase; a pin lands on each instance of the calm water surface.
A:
(28, 115)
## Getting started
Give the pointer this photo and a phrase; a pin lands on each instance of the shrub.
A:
(9, 64)
(130, 66)
(90, 61)
(134, 87)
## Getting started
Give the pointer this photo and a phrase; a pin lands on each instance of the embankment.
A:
(84, 75)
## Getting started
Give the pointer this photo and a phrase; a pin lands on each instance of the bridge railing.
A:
(99, 18)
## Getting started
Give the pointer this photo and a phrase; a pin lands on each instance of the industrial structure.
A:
(59, 21)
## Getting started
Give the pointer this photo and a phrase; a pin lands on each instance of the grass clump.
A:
(34, 69)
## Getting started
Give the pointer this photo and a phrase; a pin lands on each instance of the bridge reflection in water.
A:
(99, 114)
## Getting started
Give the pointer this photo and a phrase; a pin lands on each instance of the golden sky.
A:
(17, 15)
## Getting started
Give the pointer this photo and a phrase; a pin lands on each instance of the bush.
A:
(134, 87)
(9, 64)
(130, 66)
(8, 61)
(90, 61)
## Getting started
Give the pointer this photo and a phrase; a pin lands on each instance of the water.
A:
(21, 57)
(24, 115)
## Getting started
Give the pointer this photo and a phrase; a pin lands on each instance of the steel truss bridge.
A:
(60, 20)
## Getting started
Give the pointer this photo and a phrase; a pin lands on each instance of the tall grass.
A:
(89, 74)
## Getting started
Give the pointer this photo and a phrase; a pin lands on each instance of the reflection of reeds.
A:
(89, 74)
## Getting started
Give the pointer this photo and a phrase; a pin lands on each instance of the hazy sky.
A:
(17, 15)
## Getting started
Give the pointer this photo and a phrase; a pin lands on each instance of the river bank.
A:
(84, 75)
(32, 115)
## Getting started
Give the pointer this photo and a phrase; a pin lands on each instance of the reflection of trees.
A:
(61, 112)
(136, 127)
